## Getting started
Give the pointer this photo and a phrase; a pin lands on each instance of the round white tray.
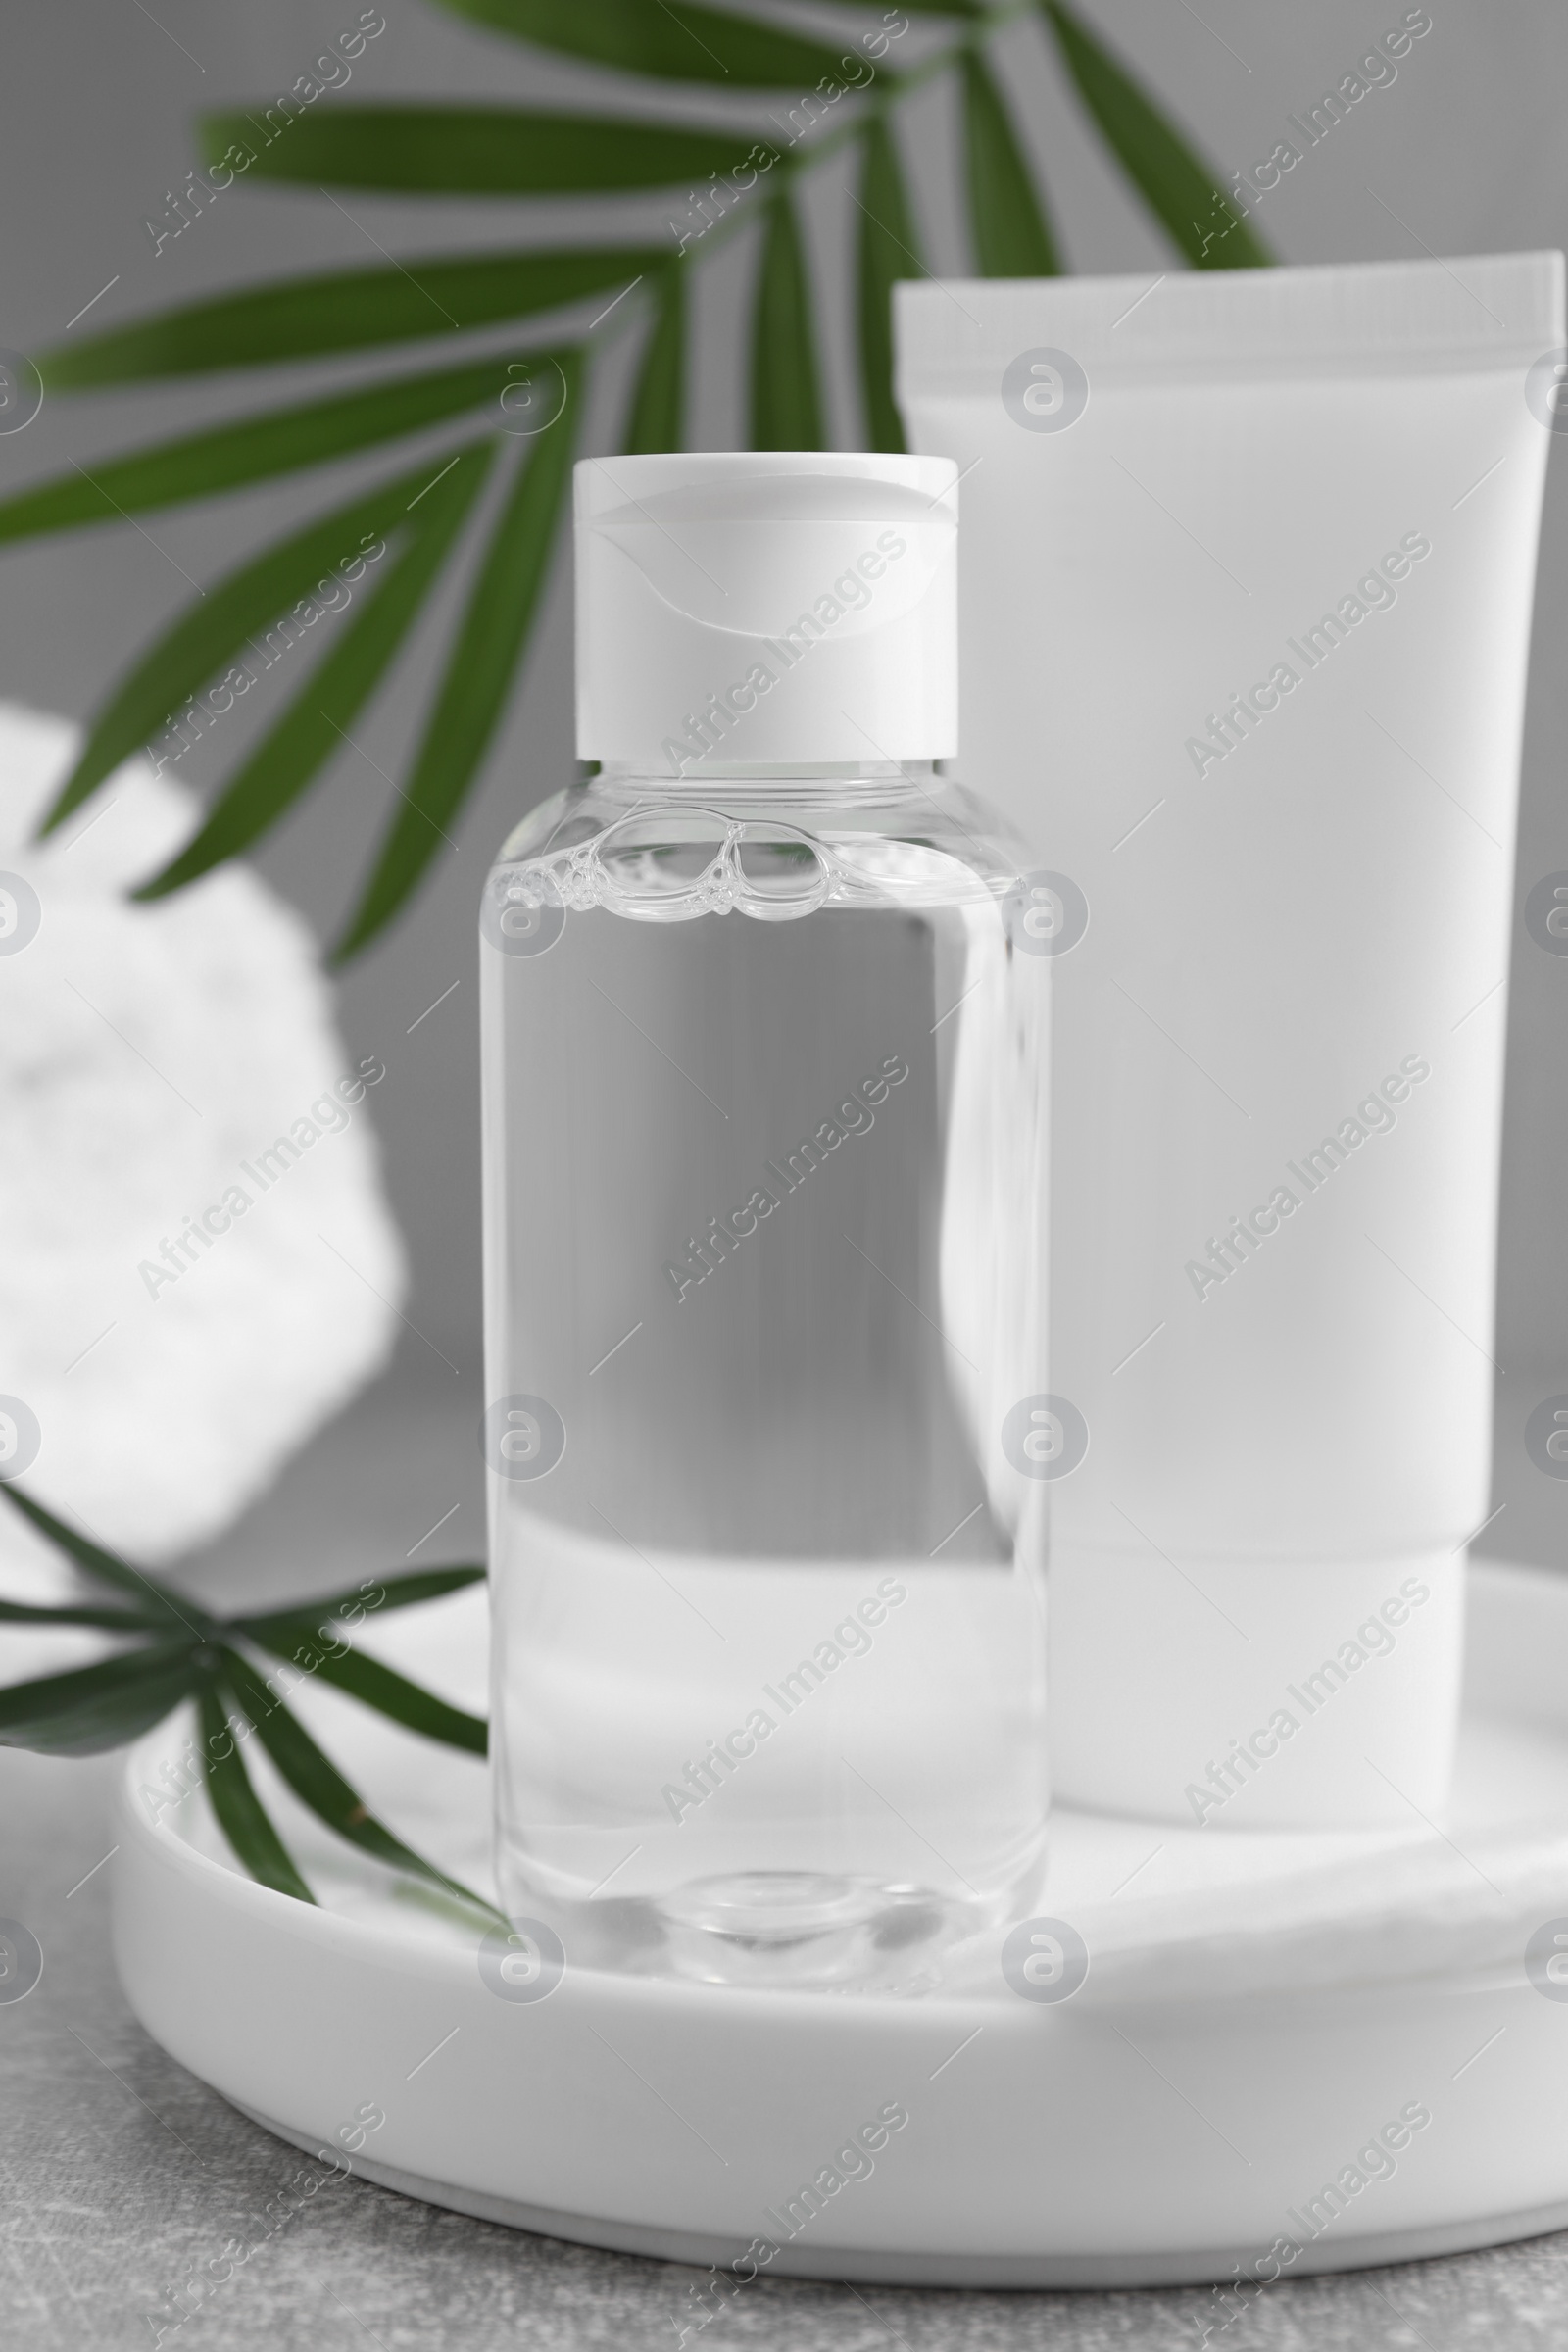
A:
(1263, 2014)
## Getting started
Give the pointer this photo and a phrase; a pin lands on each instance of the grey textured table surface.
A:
(123, 2173)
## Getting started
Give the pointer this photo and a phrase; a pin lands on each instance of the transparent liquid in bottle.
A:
(764, 1150)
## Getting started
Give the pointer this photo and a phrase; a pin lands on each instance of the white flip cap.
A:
(767, 608)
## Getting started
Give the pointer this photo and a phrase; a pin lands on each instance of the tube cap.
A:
(768, 606)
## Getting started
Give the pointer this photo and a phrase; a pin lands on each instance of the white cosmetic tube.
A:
(1246, 579)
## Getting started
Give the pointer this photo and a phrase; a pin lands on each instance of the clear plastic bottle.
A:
(765, 1163)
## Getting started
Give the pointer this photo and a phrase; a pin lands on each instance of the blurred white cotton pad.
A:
(197, 1262)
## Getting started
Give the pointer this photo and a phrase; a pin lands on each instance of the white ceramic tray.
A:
(1262, 2017)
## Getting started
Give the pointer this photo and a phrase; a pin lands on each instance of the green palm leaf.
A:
(94, 1707)
(479, 150)
(238, 1809)
(117, 1699)
(302, 1620)
(391, 1693)
(786, 396)
(677, 43)
(110, 1621)
(346, 310)
(318, 1784)
(485, 655)
(1179, 188)
(272, 442)
(656, 418)
(887, 252)
(1012, 233)
(312, 730)
(159, 1605)
(459, 150)
(210, 632)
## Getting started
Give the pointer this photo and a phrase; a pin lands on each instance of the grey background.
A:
(1469, 148)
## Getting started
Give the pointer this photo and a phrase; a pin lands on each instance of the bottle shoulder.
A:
(706, 846)
(558, 823)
